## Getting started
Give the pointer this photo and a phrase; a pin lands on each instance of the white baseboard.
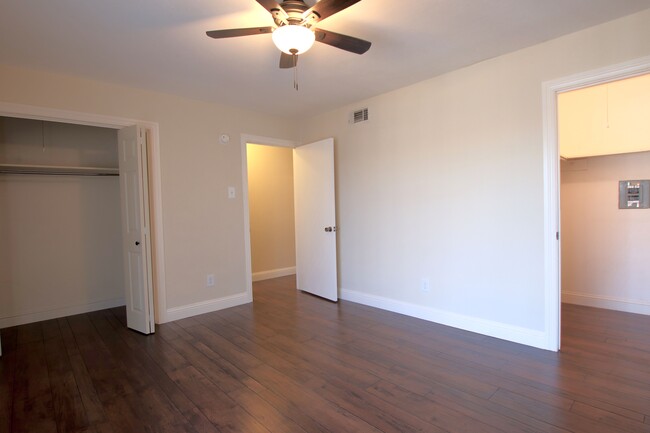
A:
(490, 328)
(186, 311)
(273, 273)
(38, 316)
(610, 303)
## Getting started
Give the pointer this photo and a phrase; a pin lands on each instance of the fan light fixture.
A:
(293, 39)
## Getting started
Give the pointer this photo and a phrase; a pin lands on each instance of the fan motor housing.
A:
(295, 10)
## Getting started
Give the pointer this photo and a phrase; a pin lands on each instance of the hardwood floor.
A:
(291, 362)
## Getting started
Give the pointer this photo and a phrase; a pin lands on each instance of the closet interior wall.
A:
(60, 234)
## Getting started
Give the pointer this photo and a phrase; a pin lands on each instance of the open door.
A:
(134, 191)
(314, 202)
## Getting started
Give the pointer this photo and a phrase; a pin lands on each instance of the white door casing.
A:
(315, 216)
(132, 152)
(552, 232)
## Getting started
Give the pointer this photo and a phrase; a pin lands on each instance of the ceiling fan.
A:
(294, 32)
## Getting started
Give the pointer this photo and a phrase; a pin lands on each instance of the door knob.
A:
(137, 243)
(330, 229)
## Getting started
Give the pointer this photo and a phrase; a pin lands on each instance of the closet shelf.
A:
(54, 170)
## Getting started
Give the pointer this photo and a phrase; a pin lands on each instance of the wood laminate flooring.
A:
(291, 362)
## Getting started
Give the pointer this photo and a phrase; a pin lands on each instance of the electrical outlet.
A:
(209, 280)
(425, 286)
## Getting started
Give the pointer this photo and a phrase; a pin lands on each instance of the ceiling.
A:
(161, 44)
(607, 119)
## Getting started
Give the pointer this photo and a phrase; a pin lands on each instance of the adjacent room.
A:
(271, 210)
(605, 147)
(324, 216)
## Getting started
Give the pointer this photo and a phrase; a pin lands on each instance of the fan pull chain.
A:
(43, 134)
(294, 57)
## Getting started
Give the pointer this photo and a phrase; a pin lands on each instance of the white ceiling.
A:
(607, 119)
(161, 44)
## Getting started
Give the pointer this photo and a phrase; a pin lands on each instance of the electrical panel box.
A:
(634, 194)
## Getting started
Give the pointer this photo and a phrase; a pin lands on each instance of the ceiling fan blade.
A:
(344, 42)
(326, 8)
(232, 33)
(286, 61)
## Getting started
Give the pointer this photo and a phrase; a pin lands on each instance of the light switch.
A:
(231, 192)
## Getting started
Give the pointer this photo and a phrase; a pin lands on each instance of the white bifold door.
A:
(134, 190)
(315, 214)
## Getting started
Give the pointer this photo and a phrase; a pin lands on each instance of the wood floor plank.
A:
(291, 362)
(69, 412)
(34, 414)
(542, 411)
(210, 364)
(265, 413)
(428, 410)
(380, 413)
(160, 359)
(7, 370)
(333, 417)
(31, 379)
(284, 405)
(609, 418)
(92, 405)
(491, 413)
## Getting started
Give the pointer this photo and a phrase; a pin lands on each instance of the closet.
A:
(60, 228)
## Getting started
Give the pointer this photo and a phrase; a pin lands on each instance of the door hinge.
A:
(557, 236)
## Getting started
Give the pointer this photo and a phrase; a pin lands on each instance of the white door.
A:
(313, 179)
(134, 192)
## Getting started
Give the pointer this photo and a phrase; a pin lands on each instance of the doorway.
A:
(604, 139)
(314, 215)
(552, 229)
(271, 210)
(247, 139)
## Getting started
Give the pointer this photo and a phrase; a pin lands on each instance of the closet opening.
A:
(61, 236)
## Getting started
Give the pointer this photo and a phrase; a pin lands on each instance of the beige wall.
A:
(60, 236)
(605, 250)
(605, 120)
(445, 182)
(270, 195)
(203, 229)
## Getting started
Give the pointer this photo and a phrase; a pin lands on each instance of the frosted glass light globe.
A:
(293, 39)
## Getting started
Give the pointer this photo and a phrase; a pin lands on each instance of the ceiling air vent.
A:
(359, 116)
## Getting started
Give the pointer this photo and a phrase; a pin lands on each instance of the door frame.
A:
(267, 141)
(552, 229)
(90, 119)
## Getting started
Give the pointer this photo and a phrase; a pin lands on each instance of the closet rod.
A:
(60, 173)
(50, 170)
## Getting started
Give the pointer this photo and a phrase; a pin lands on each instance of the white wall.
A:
(60, 236)
(605, 250)
(445, 182)
(270, 197)
(203, 229)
